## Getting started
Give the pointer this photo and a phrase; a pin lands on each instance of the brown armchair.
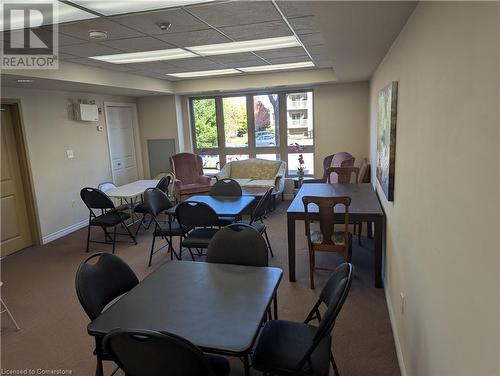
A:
(341, 159)
(189, 178)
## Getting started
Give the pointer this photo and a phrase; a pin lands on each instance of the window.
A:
(273, 125)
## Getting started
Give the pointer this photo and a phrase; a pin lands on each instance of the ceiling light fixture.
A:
(164, 26)
(110, 8)
(272, 67)
(98, 35)
(146, 56)
(245, 46)
(216, 72)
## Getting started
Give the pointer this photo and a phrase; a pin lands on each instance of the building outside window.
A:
(271, 125)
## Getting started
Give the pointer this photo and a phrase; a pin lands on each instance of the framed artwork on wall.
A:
(386, 138)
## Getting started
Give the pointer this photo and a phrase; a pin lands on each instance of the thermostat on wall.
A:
(86, 112)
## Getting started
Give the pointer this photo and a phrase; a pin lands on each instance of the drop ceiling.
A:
(214, 22)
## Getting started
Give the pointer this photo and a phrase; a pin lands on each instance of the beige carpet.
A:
(39, 290)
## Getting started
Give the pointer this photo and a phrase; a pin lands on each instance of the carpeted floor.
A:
(39, 290)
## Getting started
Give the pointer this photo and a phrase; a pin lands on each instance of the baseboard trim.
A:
(64, 231)
(395, 334)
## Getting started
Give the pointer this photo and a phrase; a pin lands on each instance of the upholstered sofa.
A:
(255, 172)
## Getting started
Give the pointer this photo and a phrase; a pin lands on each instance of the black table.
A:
(217, 307)
(365, 207)
(222, 205)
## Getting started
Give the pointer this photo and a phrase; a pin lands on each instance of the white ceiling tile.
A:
(197, 64)
(114, 30)
(237, 13)
(88, 49)
(256, 62)
(235, 58)
(109, 8)
(257, 31)
(138, 44)
(153, 75)
(147, 23)
(158, 67)
(305, 25)
(64, 40)
(313, 39)
(194, 38)
(285, 52)
(293, 9)
(292, 59)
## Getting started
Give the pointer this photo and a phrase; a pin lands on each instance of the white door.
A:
(15, 226)
(120, 123)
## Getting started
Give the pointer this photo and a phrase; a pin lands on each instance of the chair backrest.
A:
(326, 206)
(344, 174)
(364, 171)
(106, 186)
(148, 353)
(164, 183)
(197, 214)
(262, 206)
(96, 199)
(187, 167)
(226, 187)
(333, 295)
(341, 159)
(238, 244)
(99, 283)
(156, 201)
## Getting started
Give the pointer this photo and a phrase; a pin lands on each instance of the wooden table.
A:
(226, 206)
(218, 307)
(365, 207)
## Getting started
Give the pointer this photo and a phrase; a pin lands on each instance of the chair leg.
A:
(360, 228)
(275, 306)
(141, 223)
(311, 268)
(268, 243)
(129, 232)
(114, 239)
(3, 309)
(334, 365)
(88, 239)
(191, 253)
(99, 369)
(149, 224)
(151, 253)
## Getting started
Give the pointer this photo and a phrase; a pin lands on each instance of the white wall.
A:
(157, 120)
(49, 132)
(443, 246)
(340, 121)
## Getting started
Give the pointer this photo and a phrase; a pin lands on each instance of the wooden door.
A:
(120, 123)
(16, 233)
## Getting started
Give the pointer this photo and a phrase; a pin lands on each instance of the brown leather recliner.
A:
(189, 178)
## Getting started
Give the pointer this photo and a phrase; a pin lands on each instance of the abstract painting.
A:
(386, 138)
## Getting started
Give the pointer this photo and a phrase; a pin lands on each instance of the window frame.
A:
(282, 150)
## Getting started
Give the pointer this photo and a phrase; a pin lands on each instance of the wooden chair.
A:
(326, 239)
(344, 174)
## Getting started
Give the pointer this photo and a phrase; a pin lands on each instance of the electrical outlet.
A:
(402, 303)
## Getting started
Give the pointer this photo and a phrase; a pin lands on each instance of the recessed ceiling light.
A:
(98, 35)
(63, 13)
(263, 68)
(245, 46)
(112, 7)
(24, 80)
(216, 72)
(145, 56)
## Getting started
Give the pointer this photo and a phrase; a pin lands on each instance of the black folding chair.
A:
(141, 207)
(294, 348)
(258, 214)
(156, 202)
(229, 188)
(95, 199)
(199, 223)
(149, 353)
(97, 284)
(238, 244)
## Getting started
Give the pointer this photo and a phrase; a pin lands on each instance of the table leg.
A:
(275, 306)
(369, 230)
(291, 248)
(379, 226)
